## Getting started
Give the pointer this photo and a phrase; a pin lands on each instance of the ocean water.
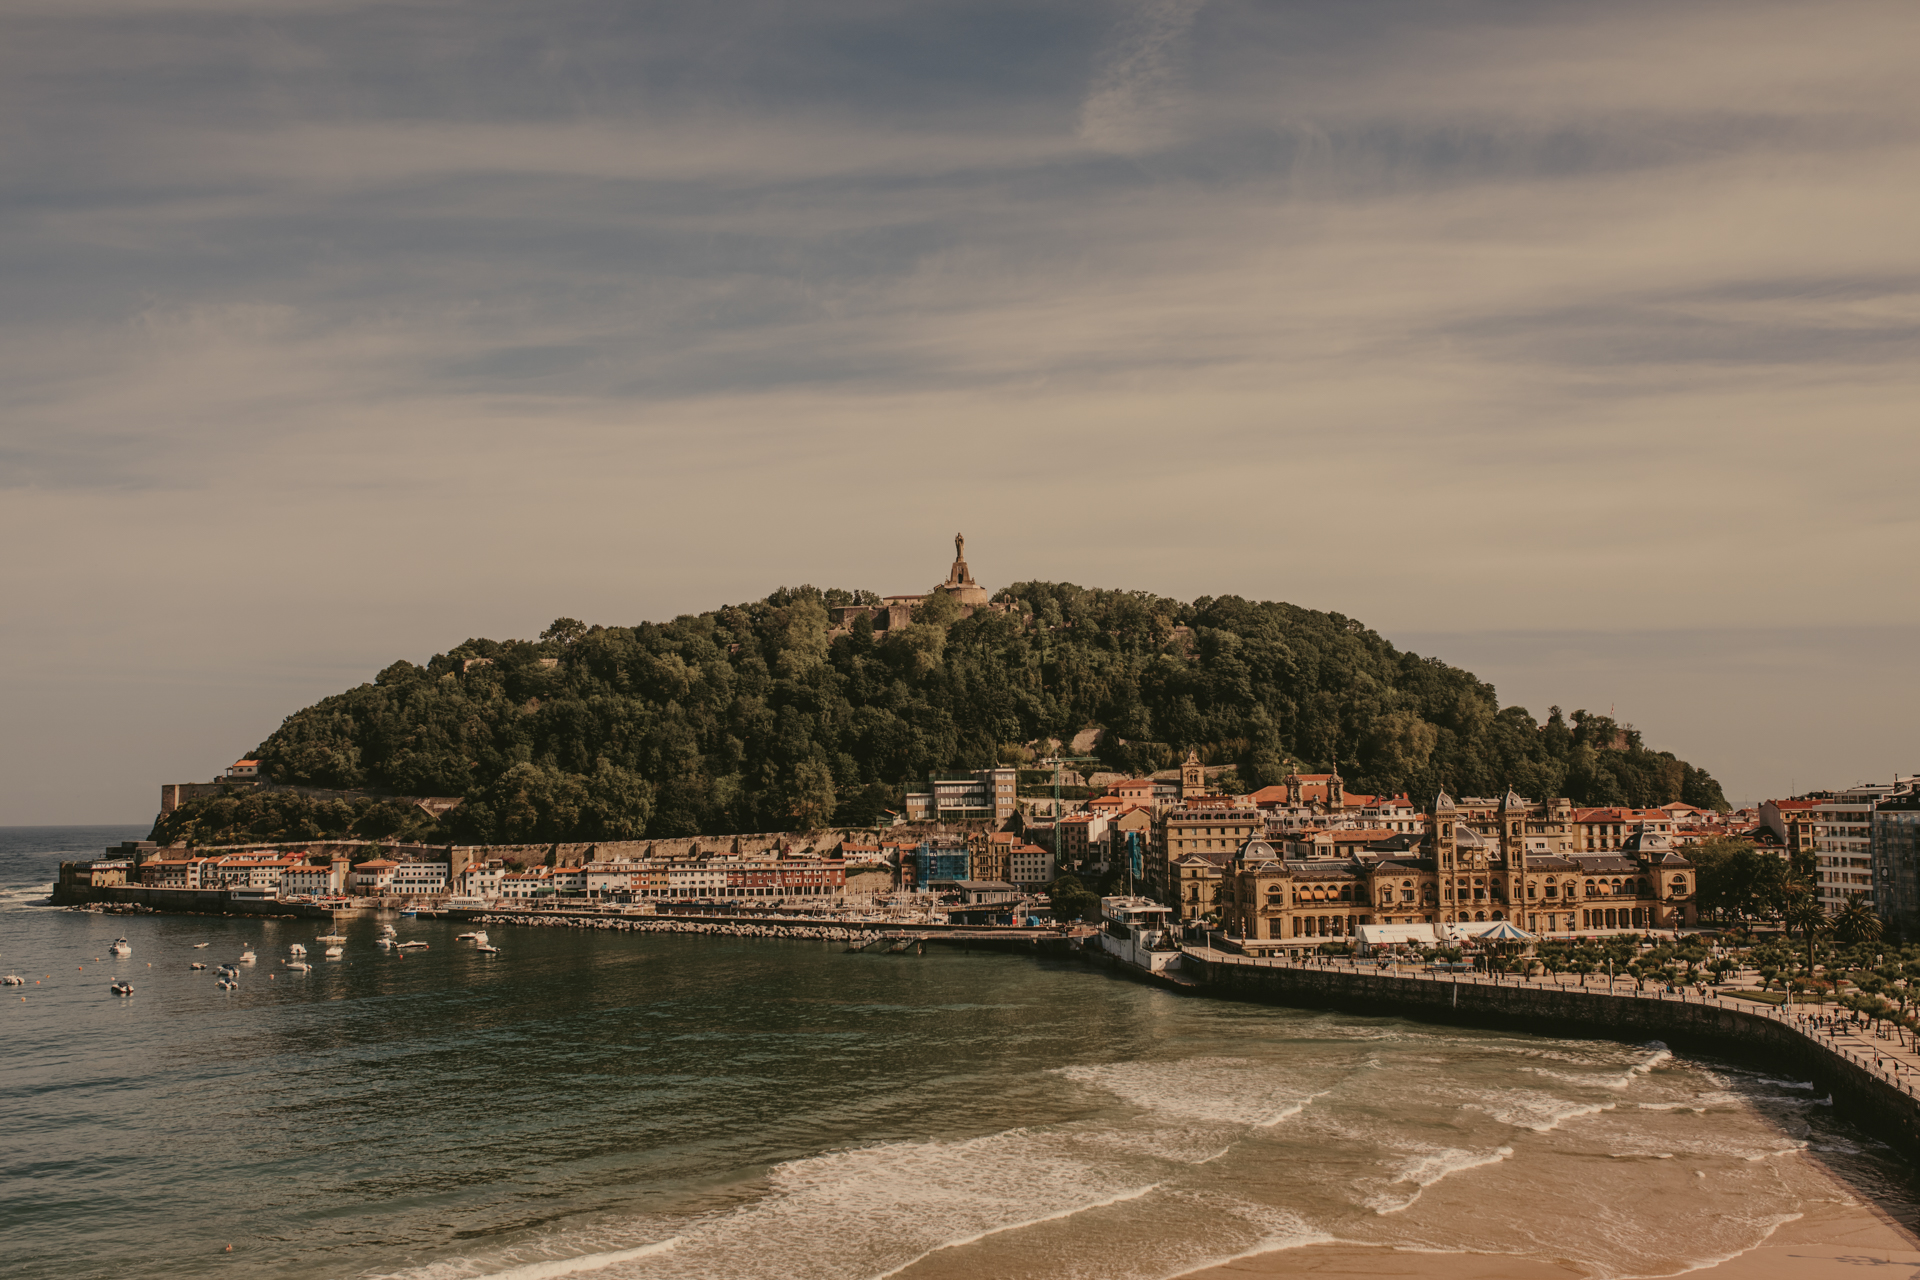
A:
(631, 1106)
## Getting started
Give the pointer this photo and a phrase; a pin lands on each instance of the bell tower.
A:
(1193, 778)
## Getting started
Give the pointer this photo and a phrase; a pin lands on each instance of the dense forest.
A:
(751, 718)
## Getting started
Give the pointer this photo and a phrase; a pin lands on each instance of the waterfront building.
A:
(1894, 850)
(989, 851)
(250, 869)
(941, 860)
(1197, 841)
(312, 880)
(482, 880)
(1601, 830)
(420, 880)
(1647, 884)
(1842, 845)
(374, 877)
(1030, 866)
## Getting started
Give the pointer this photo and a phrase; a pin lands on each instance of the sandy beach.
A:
(1828, 1242)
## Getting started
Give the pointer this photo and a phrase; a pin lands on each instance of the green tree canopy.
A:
(758, 716)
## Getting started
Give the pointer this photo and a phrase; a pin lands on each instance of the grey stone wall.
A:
(1891, 1112)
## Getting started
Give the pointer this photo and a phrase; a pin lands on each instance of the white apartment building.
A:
(311, 881)
(421, 879)
(481, 882)
(1842, 831)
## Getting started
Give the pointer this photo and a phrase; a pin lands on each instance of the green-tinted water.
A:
(629, 1105)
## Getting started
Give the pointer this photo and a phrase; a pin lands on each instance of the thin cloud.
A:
(1136, 89)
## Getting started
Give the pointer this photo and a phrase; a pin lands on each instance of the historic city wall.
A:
(1889, 1110)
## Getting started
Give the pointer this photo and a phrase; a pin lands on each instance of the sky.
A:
(1575, 344)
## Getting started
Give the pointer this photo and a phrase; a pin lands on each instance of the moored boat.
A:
(409, 946)
(122, 988)
(247, 957)
(331, 937)
(120, 947)
(296, 950)
(333, 953)
(299, 966)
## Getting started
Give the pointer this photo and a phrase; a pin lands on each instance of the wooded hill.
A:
(749, 718)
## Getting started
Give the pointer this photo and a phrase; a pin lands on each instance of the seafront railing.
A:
(1896, 1066)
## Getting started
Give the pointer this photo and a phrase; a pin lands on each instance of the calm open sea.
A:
(629, 1106)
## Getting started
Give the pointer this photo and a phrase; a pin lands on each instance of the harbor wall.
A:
(1890, 1111)
(219, 902)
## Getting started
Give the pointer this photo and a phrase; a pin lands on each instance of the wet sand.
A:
(1828, 1242)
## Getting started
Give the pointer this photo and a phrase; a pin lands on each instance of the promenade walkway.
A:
(1888, 1053)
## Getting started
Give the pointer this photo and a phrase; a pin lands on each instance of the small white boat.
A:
(296, 950)
(228, 984)
(409, 946)
(487, 949)
(387, 930)
(465, 937)
(333, 953)
(201, 946)
(331, 937)
(383, 943)
(480, 938)
(299, 966)
(247, 957)
(196, 965)
(120, 947)
(122, 988)
(13, 980)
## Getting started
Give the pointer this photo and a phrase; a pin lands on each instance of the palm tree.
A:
(1857, 922)
(1807, 916)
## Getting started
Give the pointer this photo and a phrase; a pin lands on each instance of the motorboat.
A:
(296, 950)
(387, 930)
(299, 966)
(331, 937)
(201, 946)
(409, 946)
(122, 988)
(333, 953)
(465, 937)
(408, 913)
(13, 980)
(120, 947)
(383, 943)
(196, 965)
(487, 949)
(228, 971)
(247, 957)
(228, 984)
(480, 938)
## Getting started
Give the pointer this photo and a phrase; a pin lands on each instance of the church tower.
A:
(1193, 778)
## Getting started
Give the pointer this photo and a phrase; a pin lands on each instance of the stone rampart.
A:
(1757, 1034)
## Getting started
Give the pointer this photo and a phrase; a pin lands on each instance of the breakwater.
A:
(973, 937)
(212, 902)
(1880, 1098)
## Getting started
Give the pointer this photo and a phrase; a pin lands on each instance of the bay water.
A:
(623, 1105)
